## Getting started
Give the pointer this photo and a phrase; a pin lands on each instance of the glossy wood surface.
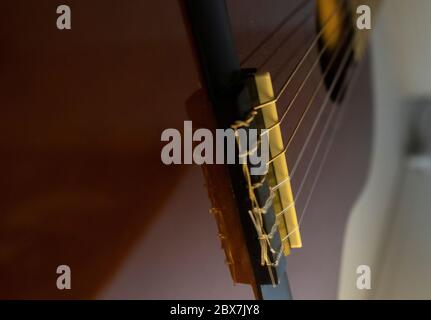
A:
(81, 116)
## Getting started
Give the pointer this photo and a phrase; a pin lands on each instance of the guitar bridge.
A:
(273, 206)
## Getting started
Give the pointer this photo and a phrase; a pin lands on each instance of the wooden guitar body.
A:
(83, 184)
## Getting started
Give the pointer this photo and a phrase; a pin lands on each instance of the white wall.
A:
(388, 227)
(401, 53)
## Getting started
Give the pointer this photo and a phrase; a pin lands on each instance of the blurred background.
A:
(393, 208)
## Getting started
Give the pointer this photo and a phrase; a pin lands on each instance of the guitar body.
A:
(83, 184)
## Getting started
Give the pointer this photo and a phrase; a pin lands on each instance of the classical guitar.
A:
(83, 111)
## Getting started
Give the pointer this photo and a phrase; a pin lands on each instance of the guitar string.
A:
(295, 55)
(304, 113)
(295, 97)
(326, 152)
(302, 152)
(318, 116)
(262, 236)
(283, 22)
(291, 103)
(285, 40)
(337, 124)
(256, 211)
(319, 143)
(303, 59)
(299, 157)
(275, 225)
(304, 82)
(253, 113)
